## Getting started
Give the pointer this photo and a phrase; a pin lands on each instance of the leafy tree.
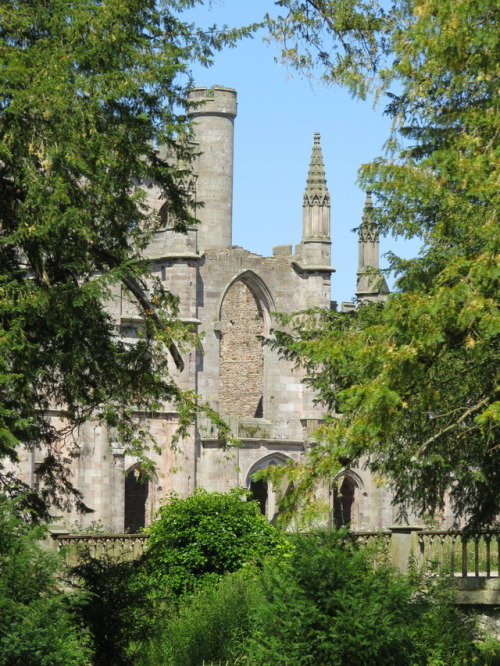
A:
(417, 378)
(89, 92)
(209, 627)
(37, 621)
(198, 539)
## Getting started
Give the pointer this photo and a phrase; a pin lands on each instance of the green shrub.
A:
(326, 604)
(209, 627)
(37, 619)
(441, 634)
(197, 540)
(120, 609)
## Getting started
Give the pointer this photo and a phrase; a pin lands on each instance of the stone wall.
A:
(241, 357)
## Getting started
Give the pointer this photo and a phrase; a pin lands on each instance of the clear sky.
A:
(278, 113)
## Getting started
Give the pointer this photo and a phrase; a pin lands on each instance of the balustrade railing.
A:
(459, 554)
(118, 547)
(433, 552)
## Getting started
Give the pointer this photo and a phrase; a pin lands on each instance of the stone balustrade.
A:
(470, 561)
(118, 547)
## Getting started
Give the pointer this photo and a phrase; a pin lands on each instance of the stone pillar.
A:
(213, 117)
(404, 546)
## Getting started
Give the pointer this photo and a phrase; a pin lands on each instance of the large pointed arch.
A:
(244, 311)
(347, 494)
(258, 288)
(275, 458)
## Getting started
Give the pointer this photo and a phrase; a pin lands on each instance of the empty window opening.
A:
(259, 492)
(136, 497)
(343, 502)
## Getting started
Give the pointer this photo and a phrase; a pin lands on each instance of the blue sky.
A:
(278, 113)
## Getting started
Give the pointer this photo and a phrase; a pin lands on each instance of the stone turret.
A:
(213, 115)
(371, 284)
(316, 244)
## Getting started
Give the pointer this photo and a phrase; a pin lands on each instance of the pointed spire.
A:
(368, 231)
(316, 189)
(371, 284)
(316, 204)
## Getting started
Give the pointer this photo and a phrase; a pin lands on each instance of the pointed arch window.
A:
(348, 499)
(262, 491)
(241, 355)
(137, 489)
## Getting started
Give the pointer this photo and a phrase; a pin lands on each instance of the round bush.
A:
(198, 539)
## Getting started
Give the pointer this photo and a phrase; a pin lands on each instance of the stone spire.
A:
(316, 212)
(371, 284)
(316, 202)
(316, 189)
(368, 231)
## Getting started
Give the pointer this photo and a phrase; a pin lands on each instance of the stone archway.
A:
(344, 501)
(262, 490)
(241, 355)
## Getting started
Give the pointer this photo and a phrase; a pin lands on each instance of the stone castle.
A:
(230, 294)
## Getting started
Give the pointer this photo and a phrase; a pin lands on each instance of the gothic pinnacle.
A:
(367, 219)
(316, 209)
(316, 179)
(368, 230)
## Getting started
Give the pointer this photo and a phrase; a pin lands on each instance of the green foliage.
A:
(417, 379)
(323, 604)
(197, 540)
(345, 41)
(89, 92)
(209, 627)
(490, 651)
(327, 605)
(119, 608)
(37, 621)
(441, 633)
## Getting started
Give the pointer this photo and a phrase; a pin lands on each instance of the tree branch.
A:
(132, 284)
(454, 425)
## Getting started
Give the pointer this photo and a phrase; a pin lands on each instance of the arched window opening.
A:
(241, 354)
(136, 498)
(343, 502)
(259, 490)
(263, 490)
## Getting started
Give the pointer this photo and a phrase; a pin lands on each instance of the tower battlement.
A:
(209, 101)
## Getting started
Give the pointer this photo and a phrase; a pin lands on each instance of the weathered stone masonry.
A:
(229, 294)
(241, 355)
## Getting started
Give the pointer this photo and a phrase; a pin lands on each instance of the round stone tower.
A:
(213, 115)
